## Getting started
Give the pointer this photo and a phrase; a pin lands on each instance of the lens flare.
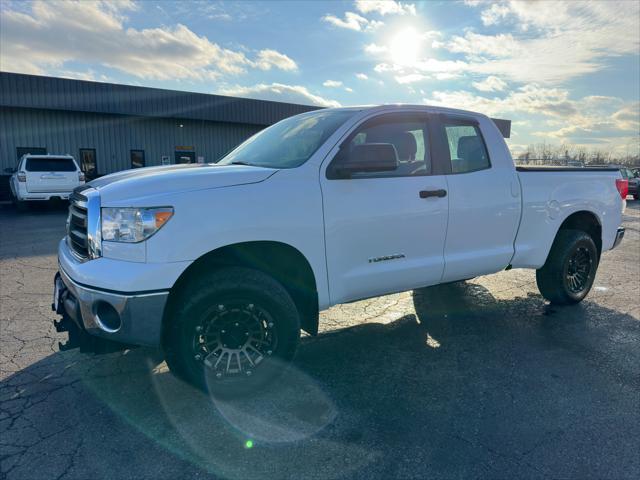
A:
(405, 47)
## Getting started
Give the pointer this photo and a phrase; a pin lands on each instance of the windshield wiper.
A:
(238, 162)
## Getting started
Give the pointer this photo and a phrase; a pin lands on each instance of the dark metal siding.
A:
(31, 91)
(113, 136)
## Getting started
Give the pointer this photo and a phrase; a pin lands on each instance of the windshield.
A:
(288, 143)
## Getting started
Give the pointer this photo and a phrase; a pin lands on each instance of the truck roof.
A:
(503, 125)
(391, 106)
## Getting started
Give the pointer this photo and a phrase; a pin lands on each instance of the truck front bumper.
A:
(116, 316)
(116, 300)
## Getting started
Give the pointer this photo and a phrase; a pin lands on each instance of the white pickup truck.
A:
(222, 265)
(38, 178)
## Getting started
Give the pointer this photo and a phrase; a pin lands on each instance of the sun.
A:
(405, 46)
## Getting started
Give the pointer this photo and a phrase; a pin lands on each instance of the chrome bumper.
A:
(126, 317)
(619, 237)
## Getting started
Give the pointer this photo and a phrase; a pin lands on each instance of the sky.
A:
(563, 72)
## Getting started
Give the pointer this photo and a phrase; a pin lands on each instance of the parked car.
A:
(44, 177)
(222, 265)
(634, 182)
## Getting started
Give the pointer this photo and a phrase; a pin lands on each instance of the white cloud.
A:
(353, 21)
(628, 117)
(410, 78)
(374, 49)
(279, 92)
(567, 40)
(563, 40)
(530, 98)
(591, 119)
(490, 84)
(494, 13)
(362, 76)
(443, 69)
(475, 44)
(332, 83)
(447, 75)
(88, 75)
(268, 58)
(348, 89)
(95, 33)
(385, 7)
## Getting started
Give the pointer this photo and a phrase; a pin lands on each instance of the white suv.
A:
(44, 177)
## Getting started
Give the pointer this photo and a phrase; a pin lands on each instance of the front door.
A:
(385, 232)
(185, 157)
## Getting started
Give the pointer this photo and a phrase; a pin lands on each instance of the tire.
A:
(215, 314)
(569, 272)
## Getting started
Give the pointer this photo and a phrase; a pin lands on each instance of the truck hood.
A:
(135, 185)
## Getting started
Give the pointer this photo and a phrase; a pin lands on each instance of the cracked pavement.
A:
(474, 380)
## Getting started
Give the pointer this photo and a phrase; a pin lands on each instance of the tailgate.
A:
(51, 175)
(51, 181)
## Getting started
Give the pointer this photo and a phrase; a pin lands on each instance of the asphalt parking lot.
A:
(478, 380)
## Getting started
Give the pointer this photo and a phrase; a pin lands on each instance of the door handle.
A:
(433, 193)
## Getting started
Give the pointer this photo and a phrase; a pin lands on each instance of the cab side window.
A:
(406, 133)
(467, 150)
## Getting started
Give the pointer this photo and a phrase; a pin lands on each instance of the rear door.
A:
(51, 174)
(484, 202)
(385, 231)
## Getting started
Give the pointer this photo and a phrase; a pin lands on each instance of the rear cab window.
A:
(50, 165)
(467, 149)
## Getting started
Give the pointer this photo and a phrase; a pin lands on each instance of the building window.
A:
(88, 163)
(137, 159)
(20, 151)
(185, 156)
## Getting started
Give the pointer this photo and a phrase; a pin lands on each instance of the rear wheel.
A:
(569, 272)
(234, 330)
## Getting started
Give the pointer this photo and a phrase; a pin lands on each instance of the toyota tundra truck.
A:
(222, 265)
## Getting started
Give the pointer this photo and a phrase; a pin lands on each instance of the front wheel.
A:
(570, 270)
(233, 331)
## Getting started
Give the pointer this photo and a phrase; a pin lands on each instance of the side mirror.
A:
(10, 170)
(368, 158)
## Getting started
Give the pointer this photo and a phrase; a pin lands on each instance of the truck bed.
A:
(523, 168)
(547, 200)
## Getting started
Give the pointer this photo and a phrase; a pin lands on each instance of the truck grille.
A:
(77, 225)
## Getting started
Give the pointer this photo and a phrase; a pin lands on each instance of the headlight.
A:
(133, 224)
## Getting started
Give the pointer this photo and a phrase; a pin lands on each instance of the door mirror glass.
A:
(368, 158)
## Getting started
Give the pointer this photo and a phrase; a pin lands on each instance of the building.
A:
(109, 127)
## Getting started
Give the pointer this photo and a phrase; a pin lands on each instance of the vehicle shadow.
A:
(467, 386)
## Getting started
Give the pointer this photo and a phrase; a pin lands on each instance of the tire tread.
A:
(549, 278)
